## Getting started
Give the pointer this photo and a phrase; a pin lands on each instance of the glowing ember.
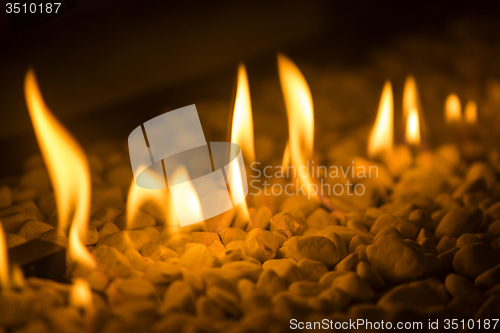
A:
(242, 128)
(380, 143)
(413, 128)
(470, 112)
(4, 262)
(452, 109)
(299, 108)
(80, 295)
(68, 169)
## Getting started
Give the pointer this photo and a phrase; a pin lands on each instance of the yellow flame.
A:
(190, 201)
(80, 295)
(380, 142)
(410, 96)
(68, 170)
(300, 112)
(470, 113)
(138, 197)
(453, 109)
(4, 262)
(242, 128)
(413, 128)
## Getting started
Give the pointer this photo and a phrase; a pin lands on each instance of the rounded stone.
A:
(395, 260)
(475, 259)
(460, 221)
(314, 247)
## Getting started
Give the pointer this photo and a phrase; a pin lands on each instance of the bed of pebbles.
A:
(420, 244)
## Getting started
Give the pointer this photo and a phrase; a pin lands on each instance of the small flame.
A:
(68, 169)
(138, 196)
(80, 295)
(380, 143)
(413, 128)
(470, 113)
(4, 262)
(410, 96)
(453, 109)
(188, 196)
(300, 112)
(242, 128)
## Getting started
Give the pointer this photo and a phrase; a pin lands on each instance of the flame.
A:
(286, 156)
(80, 295)
(452, 109)
(242, 135)
(138, 196)
(381, 136)
(68, 169)
(242, 128)
(190, 201)
(4, 262)
(410, 96)
(413, 128)
(470, 113)
(300, 112)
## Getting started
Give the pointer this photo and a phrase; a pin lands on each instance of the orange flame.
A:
(380, 143)
(410, 96)
(68, 170)
(80, 295)
(242, 134)
(300, 112)
(190, 201)
(413, 128)
(470, 113)
(4, 262)
(138, 197)
(453, 109)
(242, 128)
(286, 156)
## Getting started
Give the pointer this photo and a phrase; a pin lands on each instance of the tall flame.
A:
(242, 128)
(300, 112)
(138, 197)
(68, 170)
(4, 262)
(413, 128)
(242, 135)
(190, 201)
(470, 112)
(453, 109)
(381, 137)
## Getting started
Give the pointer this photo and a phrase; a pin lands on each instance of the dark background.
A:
(107, 65)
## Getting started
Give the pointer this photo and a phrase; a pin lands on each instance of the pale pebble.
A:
(315, 248)
(229, 234)
(261, 244)
(285, 268)
(313, 270)
(125, 239)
